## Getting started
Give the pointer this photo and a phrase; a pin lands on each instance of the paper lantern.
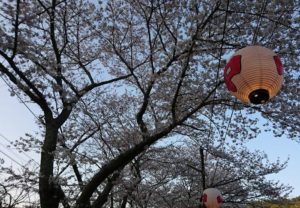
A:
(254, 74)
(212, 198)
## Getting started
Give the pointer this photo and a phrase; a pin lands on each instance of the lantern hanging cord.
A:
(254, 38)
(224, 138)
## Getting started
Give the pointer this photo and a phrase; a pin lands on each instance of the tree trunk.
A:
(48, 190)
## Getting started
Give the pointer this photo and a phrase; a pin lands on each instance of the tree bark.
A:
(48, 190)
(121, 160)
(102, 198)
(202, 168)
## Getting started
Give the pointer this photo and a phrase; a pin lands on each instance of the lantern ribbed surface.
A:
(254, 74)
(212, 198)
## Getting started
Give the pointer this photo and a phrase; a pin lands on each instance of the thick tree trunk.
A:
(49, 192)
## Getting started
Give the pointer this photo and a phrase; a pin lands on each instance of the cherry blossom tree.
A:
(114, 78)
(18, 187)
(170, 177)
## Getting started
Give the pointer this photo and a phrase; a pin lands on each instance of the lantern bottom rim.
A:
(259, 96)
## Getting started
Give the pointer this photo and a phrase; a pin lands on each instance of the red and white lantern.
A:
(212, 198)
(254, 74)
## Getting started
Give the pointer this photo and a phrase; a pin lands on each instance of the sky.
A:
(281, 148)
(16, 120)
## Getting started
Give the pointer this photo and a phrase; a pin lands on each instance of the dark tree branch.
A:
(88, 88)
(16, 30)
(58, 76)
(102, 198)
(37, 97)
(63, 198)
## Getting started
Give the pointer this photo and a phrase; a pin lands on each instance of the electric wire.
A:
(28, 108)
(15, 155)
(12, 159)
(31, 111)
(22, 151)
(21, 100)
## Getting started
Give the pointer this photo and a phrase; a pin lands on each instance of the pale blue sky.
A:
(281, 148)
(15, 120)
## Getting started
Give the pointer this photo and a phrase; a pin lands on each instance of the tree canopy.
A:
(131, 90)
(285, 203)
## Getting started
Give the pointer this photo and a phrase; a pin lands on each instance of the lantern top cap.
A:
(255, 49)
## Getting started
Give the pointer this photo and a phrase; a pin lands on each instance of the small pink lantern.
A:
(254, 74)
(212, 198)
